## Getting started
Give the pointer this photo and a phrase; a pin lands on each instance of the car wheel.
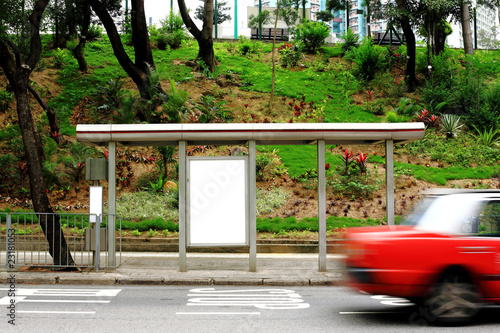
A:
(454, 300)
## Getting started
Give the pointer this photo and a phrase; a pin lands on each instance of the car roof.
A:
(453, 191)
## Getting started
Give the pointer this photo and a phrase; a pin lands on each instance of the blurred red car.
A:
(445, 255)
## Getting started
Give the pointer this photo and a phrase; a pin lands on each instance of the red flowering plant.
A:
(347, 159)
(429, 120)
(361, 161)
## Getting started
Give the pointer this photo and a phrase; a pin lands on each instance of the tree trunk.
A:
(466, 29)
(51, 116)
(411, 78)
(18, 74)
(79, 51)
(273, 59)
(135, 71)
(204, 36)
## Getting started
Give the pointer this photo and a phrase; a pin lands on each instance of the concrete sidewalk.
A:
(153, 268)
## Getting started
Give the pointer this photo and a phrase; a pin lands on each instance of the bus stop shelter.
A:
(250, 135)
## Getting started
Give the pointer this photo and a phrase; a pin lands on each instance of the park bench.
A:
(268, 33)
(386, 38)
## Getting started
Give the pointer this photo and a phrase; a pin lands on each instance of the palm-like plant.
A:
(450, 124)
(213, 111)
(489, 137)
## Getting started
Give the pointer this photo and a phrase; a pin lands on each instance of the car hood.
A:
(386, 232)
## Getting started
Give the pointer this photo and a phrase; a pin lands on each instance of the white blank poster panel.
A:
(217, 202)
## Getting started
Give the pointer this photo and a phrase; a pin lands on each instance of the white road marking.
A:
(218, 313)
(58, 312)
(283, 299)
(368, 312)
(65, 292)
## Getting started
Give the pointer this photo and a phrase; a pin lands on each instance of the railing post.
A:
(321, 206)
(7, 240)
(111, 204)
(182, 207)
(97, 259)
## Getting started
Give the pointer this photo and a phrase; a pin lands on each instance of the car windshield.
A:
(442, 214)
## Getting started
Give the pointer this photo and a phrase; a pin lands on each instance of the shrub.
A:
(290, 54)
(213, 110)
(312, 34)
(95, 31)
(369, 59)
(350, 39)
(5, 99)
(145, 205)
(267, 201)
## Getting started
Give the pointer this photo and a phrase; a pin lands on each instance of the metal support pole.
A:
(235, 19)
(215, 22)
(111, 204)
(389, 180)
(97, 252)
(252, 202)
(182, 206)
(322, 205)
(260, 23)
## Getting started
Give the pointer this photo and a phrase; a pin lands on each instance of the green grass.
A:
(441, 176)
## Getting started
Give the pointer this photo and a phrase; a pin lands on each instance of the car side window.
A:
(488, 220)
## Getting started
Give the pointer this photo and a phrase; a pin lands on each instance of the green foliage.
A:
(488, 138)
(136, 232)
(406, 108)
(268, 201)
(152, 233)
(268, 165)
(5, 100)
(146, 205)
(212, 110)
(60, 58)
(170, 34)
(290, 54)
(107, 96)
(369, 59)
(263, 18)
(146, 225)
(461, 151)
(312, 34)
(95, 31)
(450, 125)
(278, 224)
(350, 39)
(175, 106)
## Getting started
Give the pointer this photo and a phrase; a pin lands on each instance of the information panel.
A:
(217, 206)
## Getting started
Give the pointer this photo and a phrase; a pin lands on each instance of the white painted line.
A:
(59, 312)
(218, 313)
(368, 312)
(59, 301)
(65, 292)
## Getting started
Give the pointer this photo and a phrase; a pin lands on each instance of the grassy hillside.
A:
(323, 87)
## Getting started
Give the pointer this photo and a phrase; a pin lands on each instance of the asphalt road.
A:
(50, 308)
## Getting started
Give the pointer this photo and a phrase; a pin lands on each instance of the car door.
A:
(482, 248)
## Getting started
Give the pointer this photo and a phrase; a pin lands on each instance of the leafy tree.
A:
(139, 70)
(325, 16)
(221, 16)
(203, 36)
(17, 64)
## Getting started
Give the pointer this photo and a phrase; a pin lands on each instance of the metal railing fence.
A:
(23, 241)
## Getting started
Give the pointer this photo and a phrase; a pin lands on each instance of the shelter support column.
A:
(111, 204)
(182, 206)
(252, 203)
(389, 180)
(322, 205)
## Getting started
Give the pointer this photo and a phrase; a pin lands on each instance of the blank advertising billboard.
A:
(217, 206)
